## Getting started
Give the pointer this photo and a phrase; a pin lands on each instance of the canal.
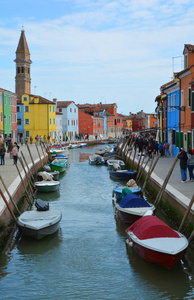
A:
(87, 258)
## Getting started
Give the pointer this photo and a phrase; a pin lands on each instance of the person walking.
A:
(9, 150)
(182, 155)
(190, 164)
(15, 154)
(2, 154)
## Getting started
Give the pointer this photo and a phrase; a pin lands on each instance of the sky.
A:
(91, 51)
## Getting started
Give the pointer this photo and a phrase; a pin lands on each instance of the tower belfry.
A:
(23, 61)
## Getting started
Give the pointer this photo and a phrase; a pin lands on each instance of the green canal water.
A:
(87, 258)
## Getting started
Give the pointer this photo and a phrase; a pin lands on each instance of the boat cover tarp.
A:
(62, 155)
(125, 192)
(132, 200)
(150, 227)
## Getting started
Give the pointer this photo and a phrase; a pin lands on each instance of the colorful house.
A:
(172, 91)
(1, 117)
(39, 117)
(69, 118)
(8, 116)
(186, 78)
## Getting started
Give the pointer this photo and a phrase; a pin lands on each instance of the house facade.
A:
(59, 128)
(39, 115)
(69, 118)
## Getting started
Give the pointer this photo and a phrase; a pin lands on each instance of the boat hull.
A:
(38, 224)
(47, 186)
(57, 167)
(165, 260)
(123, 174)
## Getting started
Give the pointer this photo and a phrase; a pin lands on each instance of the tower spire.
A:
(23, 61)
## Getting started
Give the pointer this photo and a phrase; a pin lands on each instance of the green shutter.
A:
(188, 140)
(181, 140)
(189, 97)
(192, 104)
(177, 139)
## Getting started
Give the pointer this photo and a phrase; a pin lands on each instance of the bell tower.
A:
(23, 61)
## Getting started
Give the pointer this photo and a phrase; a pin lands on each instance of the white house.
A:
(69, 118)
(59, 128)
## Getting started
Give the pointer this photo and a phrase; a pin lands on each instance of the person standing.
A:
(190, 164)
(2, 154)
(182, 155)
(9, 149)
(15, 154)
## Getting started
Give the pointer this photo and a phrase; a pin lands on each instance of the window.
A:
(60, 109)
(25, 98)
(75, 110)
(27, 122)
(68, 122)
(5, 100)
(53, 121)
(168, 103)
(53, 108)
(18, 70)
(50, 108)
(15, 118)
(18, 108)
(192, 103)
(27, 133)
(26, 108)
(9, 100)
(70, 109)
(10, 117)
(50, 121)
(5, 120)
(1, 117)
(1, 99)
(189, 97)
(19, 121)
(22, 69)
(182, 98)
(174, 104)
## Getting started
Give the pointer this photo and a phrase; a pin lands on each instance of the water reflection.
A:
(168, 282)
(27, 245)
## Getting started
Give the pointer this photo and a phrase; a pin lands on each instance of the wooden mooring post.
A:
(148, 174)
(15, 205)
(39, 156)
(142, 169)
(160, 194)
(8, 206)
(186, 213)
(32, 159)
(45, 158)
(29, 171)
(28, 198)
(28, 179)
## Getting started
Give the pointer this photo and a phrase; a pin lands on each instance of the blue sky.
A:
(104, 50)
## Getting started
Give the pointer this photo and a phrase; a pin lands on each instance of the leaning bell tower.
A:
(23, 61)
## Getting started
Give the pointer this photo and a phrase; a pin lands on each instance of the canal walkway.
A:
(182, 191)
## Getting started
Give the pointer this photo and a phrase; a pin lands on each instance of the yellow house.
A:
(39, 117)
(129, 124)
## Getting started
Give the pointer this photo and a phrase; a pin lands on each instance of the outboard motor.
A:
(97, 160)
(41, 205)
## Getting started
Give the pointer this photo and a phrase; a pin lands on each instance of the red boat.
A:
(156, 242)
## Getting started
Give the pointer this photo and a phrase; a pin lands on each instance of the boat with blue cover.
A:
(123, 174)
(132, 207)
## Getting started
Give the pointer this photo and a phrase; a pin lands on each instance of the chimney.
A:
(55, 100)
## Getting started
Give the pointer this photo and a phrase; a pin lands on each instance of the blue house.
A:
(20, 122)
(172, 90)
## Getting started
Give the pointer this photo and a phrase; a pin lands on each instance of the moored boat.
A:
(156, 242)
(123, 174)
(118, 191)
(47, 186)
(96, 160)
(39, 223)
(112, 163)
(48, 175)
(132, 207)
(57, 165)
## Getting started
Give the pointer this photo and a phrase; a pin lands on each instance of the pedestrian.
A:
(161, 149)
(15, 154)
(22, 141)
(182, 155)
(166, 148)
(40, 139)
(190, 164)
(2, 154)
(9, 150)
(26, 140)
(36, 139)
(156, 145)
(31, 139)
(44, 138)
(150, 149)
(17, 146)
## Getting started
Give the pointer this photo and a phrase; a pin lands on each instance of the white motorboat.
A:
(39, 223)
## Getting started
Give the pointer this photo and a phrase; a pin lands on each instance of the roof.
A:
(41, 101)
(22, 45)
(3, 90)
(62, 104)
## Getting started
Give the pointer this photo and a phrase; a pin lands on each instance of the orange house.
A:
(186, 78)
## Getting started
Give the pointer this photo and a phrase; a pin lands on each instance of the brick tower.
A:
(23, 61)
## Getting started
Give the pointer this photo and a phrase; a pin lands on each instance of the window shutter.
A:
(189, 140)
(181, 140)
